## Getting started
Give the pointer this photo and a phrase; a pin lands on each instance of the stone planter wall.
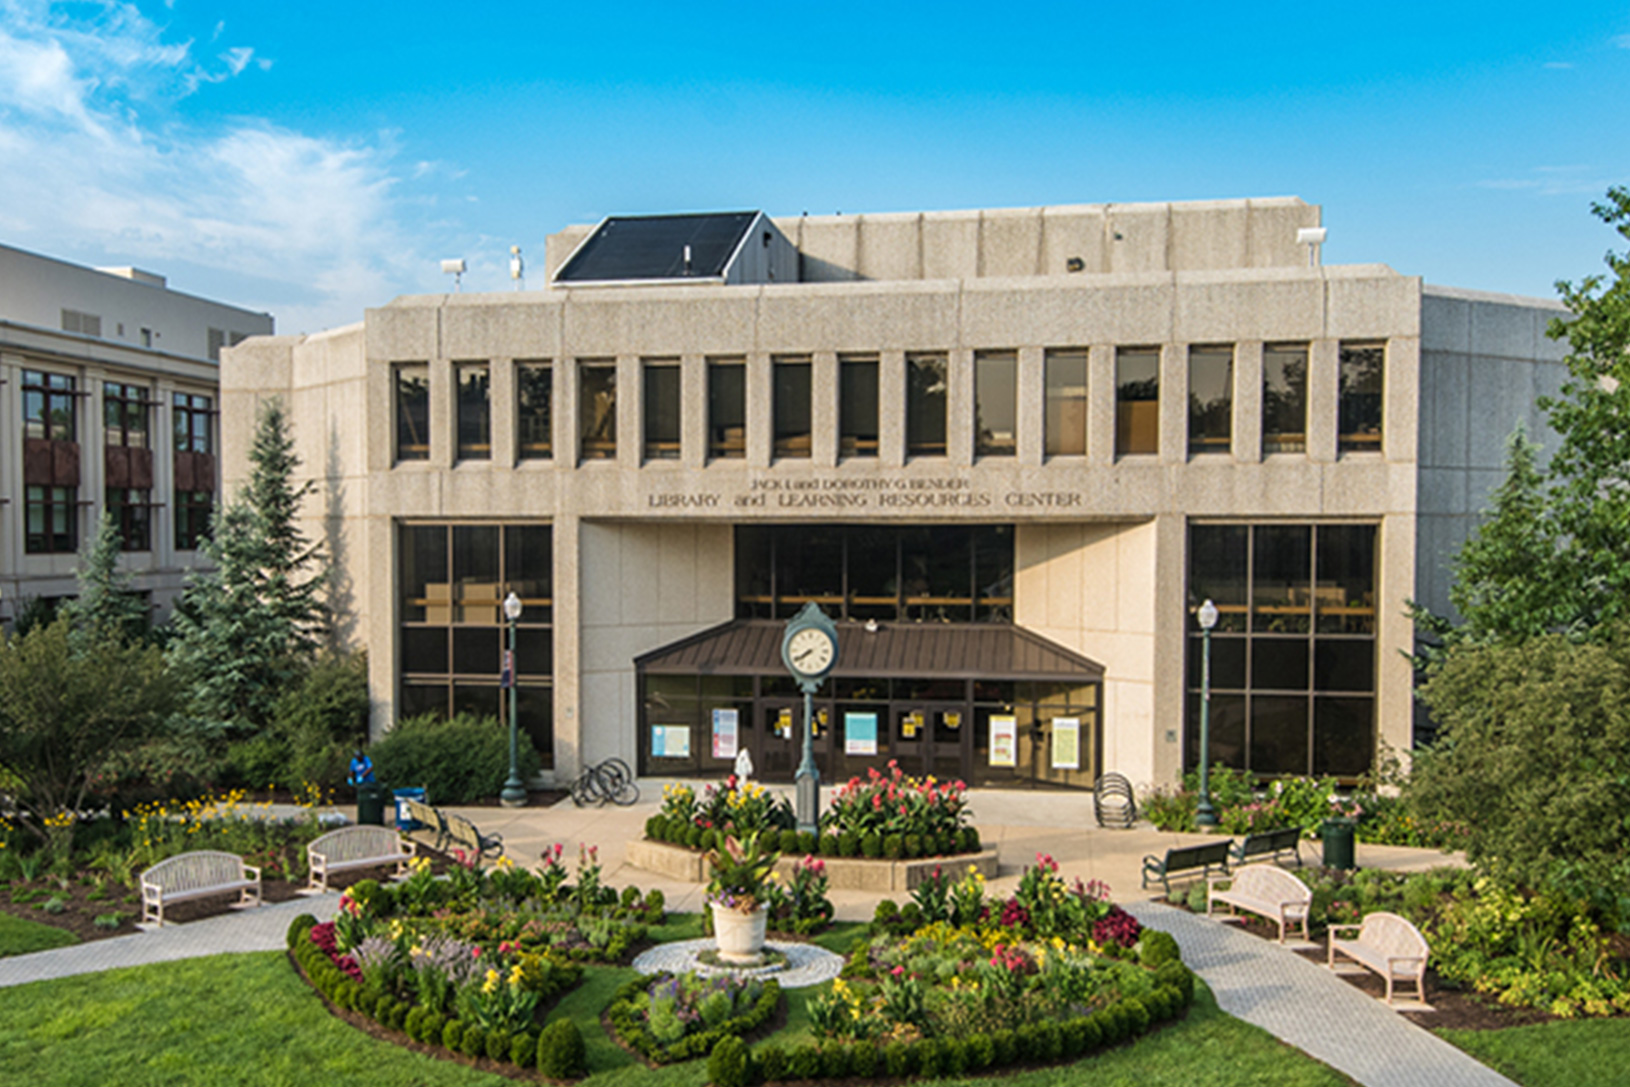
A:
(842, 873)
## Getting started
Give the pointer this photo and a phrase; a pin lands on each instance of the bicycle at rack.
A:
(611, 780)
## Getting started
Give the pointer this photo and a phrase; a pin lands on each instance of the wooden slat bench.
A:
(1188, 858)
(1387, 944)
(1270, 843)
(198, 874)
(1264, 890)
(462, 834)
(430, 821)
(356, 847)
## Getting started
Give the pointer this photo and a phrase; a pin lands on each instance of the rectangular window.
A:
(1284, 398)
(726, 409)
(412, 412)
(661, 409)
(193, 511)
(996, 403)
(857, 406)
(474, 410)
(926, 389)
(125, 413)
(1137, 400)
(1211, 399)
(1065, 374)
(51, 520)
(48, 406)
(131, 511)
(792, 406)
(533, 417)
(1363, 370)
(597, 409)
(191, 416)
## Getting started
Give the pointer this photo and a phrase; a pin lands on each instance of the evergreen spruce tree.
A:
(106, 607)
(249, 626)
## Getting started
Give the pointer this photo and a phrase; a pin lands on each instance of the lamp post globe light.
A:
(1204, 815)
(514, 793)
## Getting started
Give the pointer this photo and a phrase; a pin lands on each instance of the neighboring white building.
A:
(109, 390)
(1011, 451)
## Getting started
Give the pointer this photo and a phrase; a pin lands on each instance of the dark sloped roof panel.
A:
(638, 247)
(746, 647)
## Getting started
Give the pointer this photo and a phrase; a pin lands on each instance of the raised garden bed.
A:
(844, 873)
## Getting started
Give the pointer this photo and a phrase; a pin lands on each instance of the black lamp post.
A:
(514, 794)
(1204, 815)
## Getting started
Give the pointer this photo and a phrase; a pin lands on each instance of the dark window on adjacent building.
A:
(661, 409)
(1211, 399)
(1293, 655)
(1284, 398)
(51, 520)
(857, 406)
(926, 389)
(726, 408)
(193, 513)
(48, 406)
(939, 573)
(1363, 377)
(191, 416)
(1137, 400)
(533, 415)
(125, 413)
(131, 511)
(412, 412)
(792, 406)
(452, 583)
(474, 410)
(1065, 375)
(192, 423)
(597, 409)
(996, 403)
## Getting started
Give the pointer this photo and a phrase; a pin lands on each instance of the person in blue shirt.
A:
(362, 769)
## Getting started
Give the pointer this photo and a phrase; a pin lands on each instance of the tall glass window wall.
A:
(1293, 653)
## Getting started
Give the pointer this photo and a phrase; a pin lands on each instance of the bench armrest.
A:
(1153, 863)
(1333, 929)
(1214, 878)
(254, 869)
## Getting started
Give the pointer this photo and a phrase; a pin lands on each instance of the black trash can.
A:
(1338, 843)
(371, 804)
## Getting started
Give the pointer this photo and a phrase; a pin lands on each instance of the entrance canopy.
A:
(751, 647)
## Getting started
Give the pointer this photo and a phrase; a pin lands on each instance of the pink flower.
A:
(898, 970)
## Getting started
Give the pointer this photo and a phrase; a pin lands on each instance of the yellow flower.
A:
(491, 984)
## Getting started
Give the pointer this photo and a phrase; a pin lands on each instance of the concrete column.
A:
(161, 438)
(1171, 624)
(93, 468)
(760, 411)
(381, 402)
(1032, 406)
(501, 409)
(1101, 405)
(563, 402)
(630, 411)
(693, 421)
(1401, 400)
(1323, 379)
(568, 649)
(1248, 402)
(1174, 403)
(959, 407)
(823, 416)
(443, 415)
(891, 409)
(1395, 679)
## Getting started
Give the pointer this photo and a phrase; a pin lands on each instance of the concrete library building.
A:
(1009, 452)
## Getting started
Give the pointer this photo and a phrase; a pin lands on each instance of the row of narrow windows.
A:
(1211, 385)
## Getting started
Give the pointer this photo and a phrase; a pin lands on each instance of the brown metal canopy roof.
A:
(750, 647)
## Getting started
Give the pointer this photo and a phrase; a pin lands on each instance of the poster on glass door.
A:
(726, 733)
(1004, 741)
(1066, 743)
(860, 734)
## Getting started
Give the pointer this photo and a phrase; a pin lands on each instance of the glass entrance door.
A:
(932, 738)
(780, 738)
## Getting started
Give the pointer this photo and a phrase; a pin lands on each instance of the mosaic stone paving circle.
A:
(806, 964)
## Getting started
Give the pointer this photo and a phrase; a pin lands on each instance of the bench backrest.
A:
(462, 832)
(357, 843)
(1271, 884)
(191, 871)
(420, 812)
(1195, 856)
(1272, 841)
(1392, 935)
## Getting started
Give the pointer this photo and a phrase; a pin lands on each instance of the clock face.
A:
(811, 651)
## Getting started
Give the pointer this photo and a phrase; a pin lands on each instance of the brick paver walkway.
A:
(1307, 1006)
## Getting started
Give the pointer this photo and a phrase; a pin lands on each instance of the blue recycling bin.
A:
(403, 822)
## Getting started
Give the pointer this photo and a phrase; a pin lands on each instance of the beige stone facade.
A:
(643, 551)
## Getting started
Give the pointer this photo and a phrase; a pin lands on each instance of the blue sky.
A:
(315, 159)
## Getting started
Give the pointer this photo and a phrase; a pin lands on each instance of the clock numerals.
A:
(810, 652)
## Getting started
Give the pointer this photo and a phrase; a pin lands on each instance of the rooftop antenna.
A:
(687, 260)
(1312, 237)
(517, 268)
(454, 268)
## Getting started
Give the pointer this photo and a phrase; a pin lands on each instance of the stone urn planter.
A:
(739, 936)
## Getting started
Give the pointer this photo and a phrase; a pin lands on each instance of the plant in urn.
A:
(738, 895)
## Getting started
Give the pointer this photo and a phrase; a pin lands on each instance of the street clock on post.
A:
(809, 649)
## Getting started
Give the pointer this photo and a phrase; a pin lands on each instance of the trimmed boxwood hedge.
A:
(677, 832)
(632, 1032)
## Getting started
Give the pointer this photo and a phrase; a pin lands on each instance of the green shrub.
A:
(893, 846)
(911, 917)
(772, 1063)
(452, 1035)
(913, 846)
(561, 1052)
(968, 840)
(1049, 1042)
(829, 845)
(457, 760)
(1156, 948)
(300, 928)
(1004, 1048)
(1136, 1015)
(710, 839)
(474, 1042)
(863, 1060)
(523, 1050)
(806, 842)
(656, 904)
(930, 1054)
(1179, 977)
(694, 837)
(433, 1029)
(871, 845)
(835, 1061)
(1081, 1035)
(655, 828)
(899, 1060)
(886, 913)
(498, 1043)
(954, 1056)
(728, 1065)
(849, 844)
(787, 841)
(413, 1022)
(804, 1062)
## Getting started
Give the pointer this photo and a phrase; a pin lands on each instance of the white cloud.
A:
(1569, 180)
(85, 102)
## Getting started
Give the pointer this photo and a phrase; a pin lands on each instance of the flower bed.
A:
(667, 1018)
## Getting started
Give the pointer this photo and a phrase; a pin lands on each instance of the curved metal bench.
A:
(198, 874)
(1113, 804)
(356, 847)
(1265, 890)
(1387, 944)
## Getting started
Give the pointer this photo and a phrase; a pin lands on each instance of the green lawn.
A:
(19, 937)
(248, 1020)
(1564, 1053)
